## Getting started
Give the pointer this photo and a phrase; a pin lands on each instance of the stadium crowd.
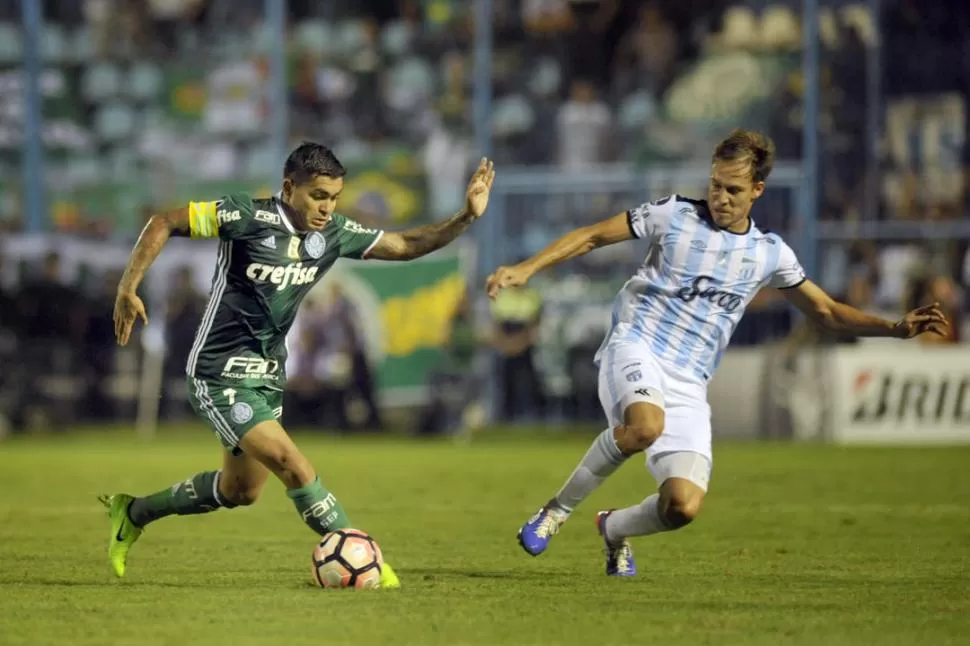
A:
(130, 115)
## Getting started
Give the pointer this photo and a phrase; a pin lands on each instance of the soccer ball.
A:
(347, 558)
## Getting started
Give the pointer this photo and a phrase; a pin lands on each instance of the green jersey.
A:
(264, 268)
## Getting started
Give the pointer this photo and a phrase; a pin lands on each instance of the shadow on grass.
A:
(445, 573)
(419, 575)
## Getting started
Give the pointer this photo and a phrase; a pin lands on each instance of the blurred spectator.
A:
(183, 312)
(584, 128)
(99, 348)
(9, 392)
(169, 16)
(546, 17)
(120, 26)
(340, 329)
(9, 315)
(516, 314)
(307, 395)
(591, 46)
(454, 384)
(936, 288)
(649, 50)
(767, 318)
(51, 310)
(54, 322)
(329, 371)
(446, 157)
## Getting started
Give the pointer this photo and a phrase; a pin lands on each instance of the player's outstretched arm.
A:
(417, 242)
(572, 245)
(839, 317)
(128, 307)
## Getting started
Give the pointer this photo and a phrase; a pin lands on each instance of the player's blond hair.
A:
(759, 149)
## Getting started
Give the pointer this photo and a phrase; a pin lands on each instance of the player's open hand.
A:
(128, 308)
(928, 318)
(476, 197)
(506, 277)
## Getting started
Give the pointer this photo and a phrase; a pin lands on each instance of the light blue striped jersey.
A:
(695, 283)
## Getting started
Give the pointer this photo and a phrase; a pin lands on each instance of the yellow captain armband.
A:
(203, 222)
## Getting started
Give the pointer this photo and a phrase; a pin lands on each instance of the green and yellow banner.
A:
(405, 311)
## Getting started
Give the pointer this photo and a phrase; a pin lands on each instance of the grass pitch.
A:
(796, 545)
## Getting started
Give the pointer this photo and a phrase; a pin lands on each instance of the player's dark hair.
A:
(310, 159)
(759, 149)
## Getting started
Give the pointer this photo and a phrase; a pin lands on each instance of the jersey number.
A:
(230, 394)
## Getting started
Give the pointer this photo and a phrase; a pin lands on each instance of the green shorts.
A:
(232, 410)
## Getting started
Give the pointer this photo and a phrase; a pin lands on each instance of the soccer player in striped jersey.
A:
(671, 322)
(271, 253)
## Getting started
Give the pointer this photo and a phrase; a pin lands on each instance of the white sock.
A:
(638, 520)
(600, 461)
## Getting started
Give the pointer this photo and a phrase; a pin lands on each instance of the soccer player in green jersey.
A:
(271, 253)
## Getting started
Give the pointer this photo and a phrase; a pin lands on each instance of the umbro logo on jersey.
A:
(269, 243)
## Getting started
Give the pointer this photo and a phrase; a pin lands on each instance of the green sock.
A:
(320, 509)
(197, 495)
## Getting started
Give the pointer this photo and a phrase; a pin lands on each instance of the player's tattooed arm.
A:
(153, 237)
(420, 241)
(839, 317)
(128, 306)
(417, 242)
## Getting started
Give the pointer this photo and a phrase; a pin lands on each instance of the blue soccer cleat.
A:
(619, 555)
(535, 535)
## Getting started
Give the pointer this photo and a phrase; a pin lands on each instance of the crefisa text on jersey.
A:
(282, 277)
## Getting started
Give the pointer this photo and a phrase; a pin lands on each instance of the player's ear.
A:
(759, 188)
(287, 189)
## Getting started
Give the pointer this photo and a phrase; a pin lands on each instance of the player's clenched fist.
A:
(506, 277)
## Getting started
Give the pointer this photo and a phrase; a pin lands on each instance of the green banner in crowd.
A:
(405, 310)
(380, 191)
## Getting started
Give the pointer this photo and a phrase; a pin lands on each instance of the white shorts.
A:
(629, 372)
(680, 464)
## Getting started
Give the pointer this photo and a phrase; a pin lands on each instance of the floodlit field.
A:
(797, 545)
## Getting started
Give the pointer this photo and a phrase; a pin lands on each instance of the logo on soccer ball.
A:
(636, 375)
(241, 412)
(315, 245)
(347, 558)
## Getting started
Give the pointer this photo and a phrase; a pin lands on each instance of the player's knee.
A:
(644, 424)
(681, 510)
(243, 496)
(272, 447)
(643, 435)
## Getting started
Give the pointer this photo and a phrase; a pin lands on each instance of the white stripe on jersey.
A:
(219, 279)
(688, 296)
